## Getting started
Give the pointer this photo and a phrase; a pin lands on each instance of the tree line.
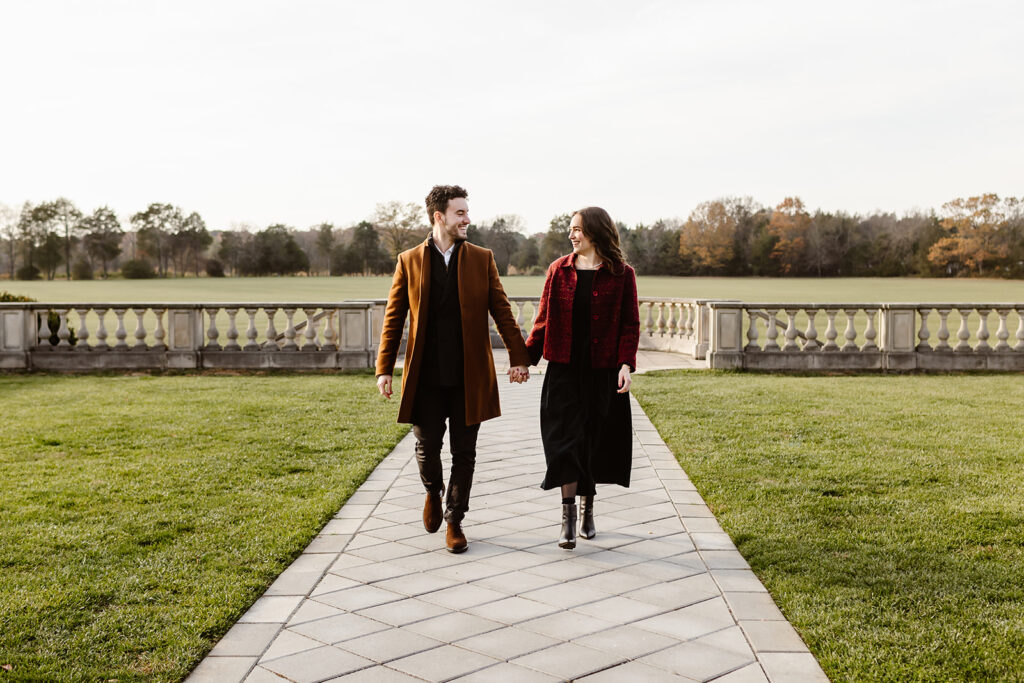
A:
(974, 236)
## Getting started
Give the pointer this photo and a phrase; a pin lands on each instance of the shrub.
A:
(214, 268)
(81, 270)
(27, 273)
(536, 270)
(137, 269)
(8, 298)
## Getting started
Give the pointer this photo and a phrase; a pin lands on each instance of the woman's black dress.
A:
(585, 423)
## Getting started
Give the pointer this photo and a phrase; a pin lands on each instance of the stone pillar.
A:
(726, 348)
(17, 335)
(899, 351)
(184, 337)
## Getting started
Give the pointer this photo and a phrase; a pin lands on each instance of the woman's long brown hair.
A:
(600, 229)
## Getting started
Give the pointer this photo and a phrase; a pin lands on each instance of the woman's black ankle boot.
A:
(587, 528)
(568, 538)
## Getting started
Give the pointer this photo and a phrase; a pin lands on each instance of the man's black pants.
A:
(433, 406)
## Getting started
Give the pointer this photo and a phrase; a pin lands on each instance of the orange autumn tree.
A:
(789, 225)
(707, 236)
(978, 233)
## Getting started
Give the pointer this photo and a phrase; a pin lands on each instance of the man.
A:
(448, 286)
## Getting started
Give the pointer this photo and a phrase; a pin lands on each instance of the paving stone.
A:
(271, 610)
(359, 597)
(691, 622)
(416, 584)
(512, 610)
(738, 580)
(221, 670)
(506, 673)
(403, 612)
(753, 606)
(634, 672)
(454, 626)
(724, 559)
(461, 596)
(328, 544)
(310, 610)
(699, 659)
(790, 667)
(385, 646)
(338, 628)
(374, 674)
(567, 661)
(316, 665)
(567, 625)
(245, 640)
(507, 643)
(442, 663)
(261, 675)
(752, 673)
(624, 609)
(627, 642)
(773, 636)
(566, 595)
(287, 643)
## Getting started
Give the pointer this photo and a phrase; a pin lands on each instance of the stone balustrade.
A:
(118, 336)
(866, 336)
(723, 333)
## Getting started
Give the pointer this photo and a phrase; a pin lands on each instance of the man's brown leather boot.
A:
(455, 539)
(432, 511)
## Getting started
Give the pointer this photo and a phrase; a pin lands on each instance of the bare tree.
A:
(9, 228)
(400, 225)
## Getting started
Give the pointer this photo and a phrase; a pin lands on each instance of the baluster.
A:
(311, 331)
(289, 332)
(850, 334)
(158, 333)
(649, 324)
(101, 330)
(534, 310)
(44, 329)
(1002, 334)
(675, 325)
(922, 333)
(790, 333)
(250, 331)
(830, 332)
(520, 306)
(271, 344)
(691, 317)
(963, 334)
(121, 334)
(661, 318)
(212, 333)
(772, 330)
(870, 333)
(943, 333)
(1019, 346)
(83, 332)
(329, 334)
(983, 346)
(63, 333)
(232, 333)
(811, 334)
(140, 330)
(752, 344)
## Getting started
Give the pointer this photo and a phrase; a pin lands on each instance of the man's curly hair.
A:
(439, 197)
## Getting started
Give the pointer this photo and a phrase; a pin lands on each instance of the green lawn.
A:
(323, 289)
(884, 514)
(143, 515)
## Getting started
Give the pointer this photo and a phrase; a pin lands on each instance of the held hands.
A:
(624, 379)
(518, 374)
(384, 385)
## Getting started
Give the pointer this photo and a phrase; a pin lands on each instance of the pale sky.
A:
(301, 112)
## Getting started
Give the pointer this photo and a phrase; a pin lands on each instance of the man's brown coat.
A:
(480, 293)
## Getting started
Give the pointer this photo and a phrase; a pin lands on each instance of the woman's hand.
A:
(624, 380)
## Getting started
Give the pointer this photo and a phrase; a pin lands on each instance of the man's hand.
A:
(384, 385)
(518, 374)
(624, 379)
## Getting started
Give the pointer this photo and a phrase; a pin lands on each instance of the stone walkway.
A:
(660, 594)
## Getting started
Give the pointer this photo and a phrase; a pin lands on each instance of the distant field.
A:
(323, 289)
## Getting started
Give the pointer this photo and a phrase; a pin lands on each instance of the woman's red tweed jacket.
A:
(614, 317)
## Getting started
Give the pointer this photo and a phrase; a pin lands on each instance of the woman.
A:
(588, 328)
